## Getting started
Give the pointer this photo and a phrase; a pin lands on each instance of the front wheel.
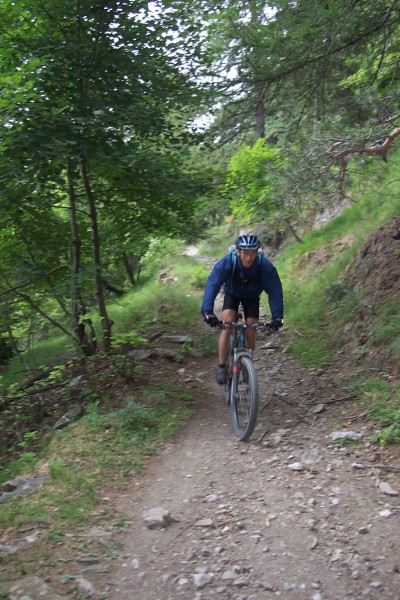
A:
(229, 372)
(244, 399)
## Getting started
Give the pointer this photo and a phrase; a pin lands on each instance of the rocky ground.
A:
(290, 514)
(293, 513)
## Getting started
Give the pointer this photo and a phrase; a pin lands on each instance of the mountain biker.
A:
(244, 275)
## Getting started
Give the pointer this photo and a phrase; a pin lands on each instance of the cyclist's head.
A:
(248, 242)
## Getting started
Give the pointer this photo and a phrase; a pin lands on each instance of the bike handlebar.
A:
(267, 326)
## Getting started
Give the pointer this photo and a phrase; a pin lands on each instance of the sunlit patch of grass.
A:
(24, 463)
(44, 353)
(382, 398)
(219, 238)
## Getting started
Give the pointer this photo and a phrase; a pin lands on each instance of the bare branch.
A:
(377, 149)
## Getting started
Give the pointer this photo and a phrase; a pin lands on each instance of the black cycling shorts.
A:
(251, 306)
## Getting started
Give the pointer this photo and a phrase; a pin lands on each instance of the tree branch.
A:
(378, 149)
(17, 287)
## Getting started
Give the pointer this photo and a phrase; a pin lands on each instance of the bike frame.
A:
(238, 346)
(243, 402)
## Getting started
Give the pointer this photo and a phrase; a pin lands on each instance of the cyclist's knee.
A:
(251, 321)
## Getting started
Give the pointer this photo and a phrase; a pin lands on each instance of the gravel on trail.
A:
(307, 509)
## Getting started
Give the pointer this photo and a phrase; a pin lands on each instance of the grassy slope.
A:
(342, 297)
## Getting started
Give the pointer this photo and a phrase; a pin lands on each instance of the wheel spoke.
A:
(244, 399)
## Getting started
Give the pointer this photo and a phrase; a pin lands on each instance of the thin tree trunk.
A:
(37, 308)
(45, 276)
(41, 312)
(79, 326)
(106, 323)
(260, 86)
(260, 109)
(129, 268)
(293, 232)
(14, 346)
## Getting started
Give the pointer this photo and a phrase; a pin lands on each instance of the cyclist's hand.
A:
(211, 319)
(274, 324)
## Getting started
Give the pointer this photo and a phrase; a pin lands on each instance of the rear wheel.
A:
(244, 399)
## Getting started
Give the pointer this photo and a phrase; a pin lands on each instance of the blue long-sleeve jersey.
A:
(250, 283)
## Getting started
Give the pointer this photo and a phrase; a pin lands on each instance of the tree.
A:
(294, 55)
(317, 80)
(249, 181)
(91, 91)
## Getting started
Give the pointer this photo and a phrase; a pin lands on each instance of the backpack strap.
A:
(234, 260)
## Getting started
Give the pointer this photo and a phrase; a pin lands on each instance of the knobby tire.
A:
(228, 383)
(244, 399)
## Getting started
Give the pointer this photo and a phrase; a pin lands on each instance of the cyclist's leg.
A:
(229, 311)
(251, 308)
(223, 343)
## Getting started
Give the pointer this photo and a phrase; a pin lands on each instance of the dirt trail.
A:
(290, 514)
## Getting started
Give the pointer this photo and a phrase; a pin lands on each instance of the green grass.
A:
(218, 240)
(381, 396)
(42, 354)
(311, 272)
(154, 303)
(103, 449)
(175, 301)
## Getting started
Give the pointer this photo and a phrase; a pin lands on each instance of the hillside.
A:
(374, 276)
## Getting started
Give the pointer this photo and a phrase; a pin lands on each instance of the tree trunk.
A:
(37, 308)
(260, 86)
(14, 346)
(130, 261)
(106, 323)
(293, 231)
(41, 312)
(86, 341)
(260, 109)
(46, 276)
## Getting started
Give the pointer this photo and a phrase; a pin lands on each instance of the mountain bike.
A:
(241, 387)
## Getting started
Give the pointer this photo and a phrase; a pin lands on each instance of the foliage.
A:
(249, 181)
(161, 251)
(113, 443)
(290, 60)
(219, 238)
(25, 417)
(382, 397)
(101, 167)
(208, 343)
(318, 83)
(331, 307)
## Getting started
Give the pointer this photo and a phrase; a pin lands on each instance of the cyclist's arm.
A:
(272, 286)
(218, 276)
